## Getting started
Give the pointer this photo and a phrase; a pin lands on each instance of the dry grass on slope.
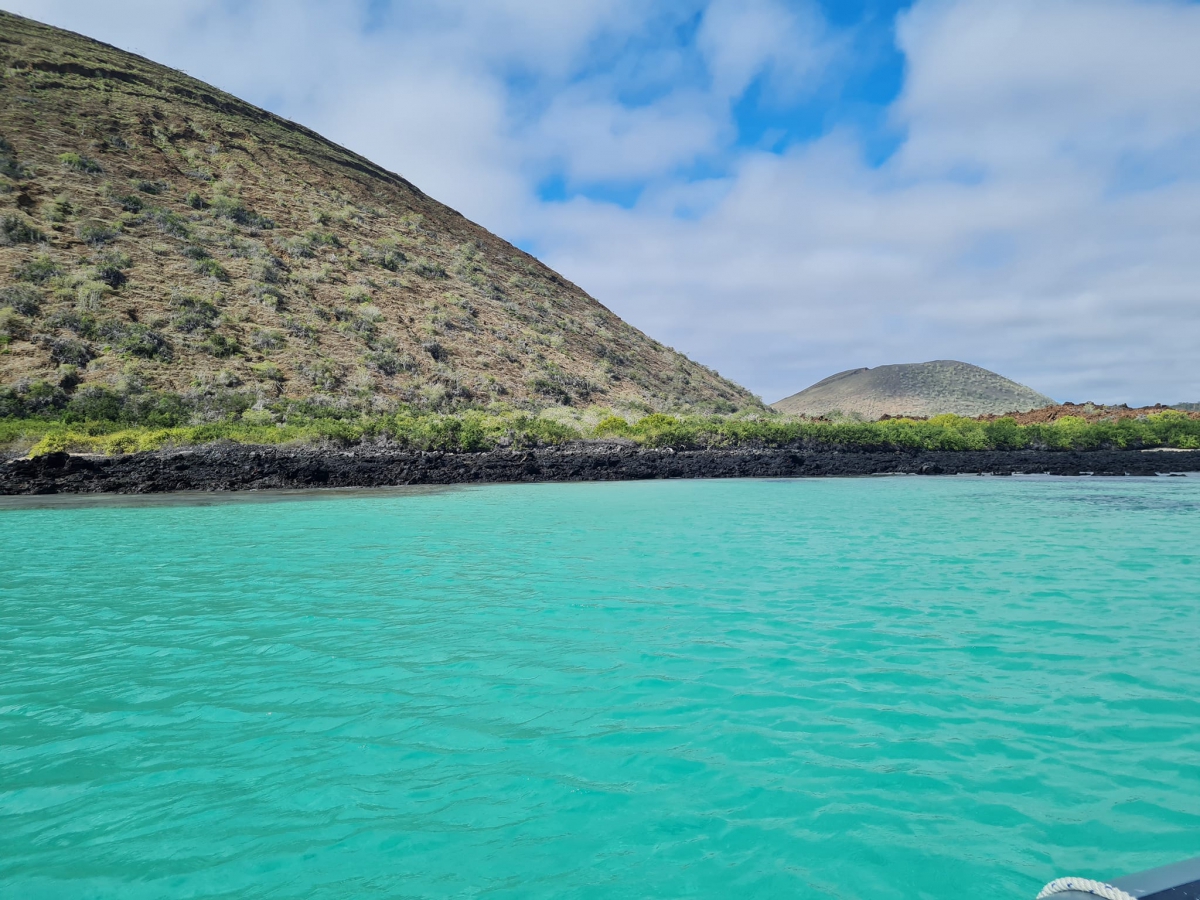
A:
(156, 229)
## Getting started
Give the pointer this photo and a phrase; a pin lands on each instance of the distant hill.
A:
(157, 234)
(914, 389)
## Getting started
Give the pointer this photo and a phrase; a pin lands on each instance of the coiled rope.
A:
(1084, 886)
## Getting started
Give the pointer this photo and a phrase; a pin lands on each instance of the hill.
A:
(914, 389)
(160, 238)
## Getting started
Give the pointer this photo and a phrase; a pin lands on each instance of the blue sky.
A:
(782, 189)
(767, 114)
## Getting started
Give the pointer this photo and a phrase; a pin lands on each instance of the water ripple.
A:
(843, 688)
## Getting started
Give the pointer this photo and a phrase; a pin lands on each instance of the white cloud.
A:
(1040, 217)
(1018, 82)
(743, 39)
(1013, 229)
(595, 138)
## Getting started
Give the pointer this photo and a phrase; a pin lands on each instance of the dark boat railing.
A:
(1178, 881)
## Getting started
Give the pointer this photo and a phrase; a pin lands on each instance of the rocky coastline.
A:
(235, 467)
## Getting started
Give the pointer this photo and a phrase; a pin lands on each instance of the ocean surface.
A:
(844, 688)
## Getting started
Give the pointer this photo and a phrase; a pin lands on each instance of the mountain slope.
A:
(157, 234)
(914, 389)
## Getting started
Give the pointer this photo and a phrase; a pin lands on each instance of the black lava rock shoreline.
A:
(233, 467)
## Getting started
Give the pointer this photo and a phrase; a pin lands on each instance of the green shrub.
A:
(15, 230)
(135, 339)
(562, 387)
(388, 362)
(612, 426)
(385, 254)
(67, 351)
(427, 269)
(193, 314)
(80, 323)
(129, 202)
(300, 329)
(90, 295)
(38, 270)
(109, 274)
(210, 268)
(267, 371)
(24, 299)
(32, 398)
(220, 346)
(258, 417)
(108, 420)
(228, 208)
(324, 375)
(322, 239)
(168, 222)
(360, 326)
(268, 295)
(296, 247)
(77, 163)
(13, 326)
(95, 233)
(95, 404)
(60, 210)
(267, 271)
(9, 166)
(267, 340)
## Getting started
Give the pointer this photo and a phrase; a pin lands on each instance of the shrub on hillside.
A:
(193, 314)
(31, 398)
(15, 230)
(129, 202)
(60, 209)
(110, 272)
(267, 371)
(24, 299)
(94, 233)
(427, 269)
(220, 346)
(78, 163)
(388, 362)
(268, 295)
(298, 328)
(168, 222)
(235, 211)
(134, 339)
(9, 166)
(210, 268)
(323, 374)
(384, 254)
(38, 270)
(68, 351)
(266, 340)
(13, 326)
(89, 296)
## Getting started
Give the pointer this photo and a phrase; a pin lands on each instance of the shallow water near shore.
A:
(901, 687)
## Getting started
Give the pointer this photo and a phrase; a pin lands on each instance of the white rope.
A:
(1084, 886)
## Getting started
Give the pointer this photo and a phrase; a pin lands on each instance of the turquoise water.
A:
(859, 688)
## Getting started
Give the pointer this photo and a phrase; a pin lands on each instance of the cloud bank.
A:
(775, 191)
